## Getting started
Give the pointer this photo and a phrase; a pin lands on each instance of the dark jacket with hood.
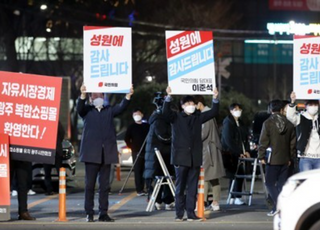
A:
(159, 137)
(278, 134)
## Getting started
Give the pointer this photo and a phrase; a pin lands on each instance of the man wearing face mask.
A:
(277, 148)
(308, 131)
(186, 150)
(98, 149)
(135, 138)
(235, 141)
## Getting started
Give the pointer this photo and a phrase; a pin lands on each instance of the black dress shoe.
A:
(25, 216)
(89, 218)
(105, 218)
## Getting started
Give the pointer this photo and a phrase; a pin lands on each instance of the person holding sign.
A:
(186, 152)
(308, 131)
(98, 149)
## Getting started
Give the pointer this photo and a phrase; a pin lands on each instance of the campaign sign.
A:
(306, 68)
(4, 178)
(107, 65)
(29, 114)
(190, 62)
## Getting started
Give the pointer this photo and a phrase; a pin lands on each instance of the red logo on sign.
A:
(100, 84)
(310, 91)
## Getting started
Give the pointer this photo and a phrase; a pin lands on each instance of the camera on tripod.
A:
(158, 99)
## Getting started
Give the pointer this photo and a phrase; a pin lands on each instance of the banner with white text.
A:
(4, 178)
(306, 68)
(107, 65)
(190, 62)
(29, 114)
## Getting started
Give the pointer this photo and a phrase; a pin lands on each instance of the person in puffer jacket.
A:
(277, 146)
(308, 133)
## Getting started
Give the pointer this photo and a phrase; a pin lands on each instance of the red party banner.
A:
(4, 178)
(29, 114)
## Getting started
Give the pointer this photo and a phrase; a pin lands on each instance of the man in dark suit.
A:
(98, 148)
(186, 151)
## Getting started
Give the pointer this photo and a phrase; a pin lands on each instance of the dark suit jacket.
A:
(99, 133)
(186, 134)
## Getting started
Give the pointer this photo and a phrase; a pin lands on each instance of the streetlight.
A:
(43, 7)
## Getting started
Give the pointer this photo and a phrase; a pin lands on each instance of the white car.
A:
(125, 156)
(299, 203)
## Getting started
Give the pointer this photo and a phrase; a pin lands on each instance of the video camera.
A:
(158, 99)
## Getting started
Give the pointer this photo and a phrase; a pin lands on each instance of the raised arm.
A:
(292, 114)
(119, 108)
(214, 111)
(166, 109)
(82, 109)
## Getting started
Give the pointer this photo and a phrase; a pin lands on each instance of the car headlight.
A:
(125, 150)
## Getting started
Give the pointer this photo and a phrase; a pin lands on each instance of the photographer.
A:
(159, 137)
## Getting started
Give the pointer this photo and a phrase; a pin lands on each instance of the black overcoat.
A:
(99, 132)
(186, 134)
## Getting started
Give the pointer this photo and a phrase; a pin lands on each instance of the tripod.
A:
(134, 163)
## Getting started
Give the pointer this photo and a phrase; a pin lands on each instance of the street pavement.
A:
(129, 211)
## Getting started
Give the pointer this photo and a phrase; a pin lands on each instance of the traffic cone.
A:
(200, 203)
(62, 195)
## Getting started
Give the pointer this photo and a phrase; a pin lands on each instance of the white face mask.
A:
(189, 109)
(312, 109)
(137, 118)
(98, 102)
(237, 113)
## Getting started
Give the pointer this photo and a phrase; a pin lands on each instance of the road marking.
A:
(31, 205)
(122, 202)
(111, 209)
(130, 223)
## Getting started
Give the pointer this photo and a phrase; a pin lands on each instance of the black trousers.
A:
(138, 172)
(165, 195)
(276, 176)
(47, 172)
(102, 172)
(22, 171)
(186, 177)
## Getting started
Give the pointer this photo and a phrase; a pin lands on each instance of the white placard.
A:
(306, 71)
(107, 63)
(190, 62)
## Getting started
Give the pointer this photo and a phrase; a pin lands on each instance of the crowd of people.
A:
(189, 138)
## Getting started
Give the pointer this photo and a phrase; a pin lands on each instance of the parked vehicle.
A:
(125, 156)
(69, 163)
(299, 203)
